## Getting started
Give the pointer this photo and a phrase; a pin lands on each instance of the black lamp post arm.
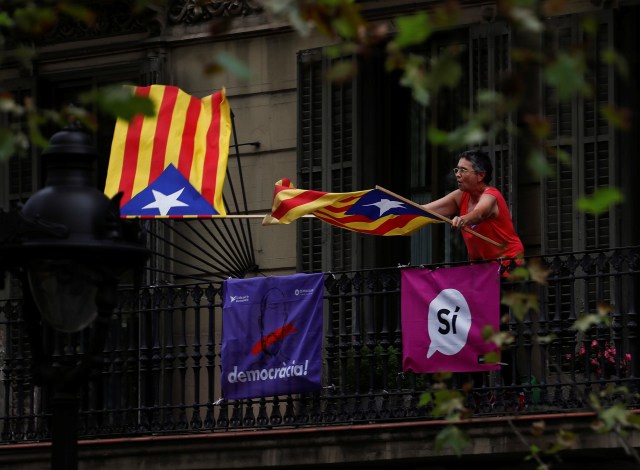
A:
(14, 227)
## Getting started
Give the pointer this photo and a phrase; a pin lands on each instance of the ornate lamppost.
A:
(69, 248)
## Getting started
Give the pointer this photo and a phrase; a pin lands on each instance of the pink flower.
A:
(600, 354)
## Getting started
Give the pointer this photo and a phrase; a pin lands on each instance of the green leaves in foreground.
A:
(413, 30)
(452, 437)
(567, 75)
(602, 317)
(600, 201)
(119, 102)
(447, 404)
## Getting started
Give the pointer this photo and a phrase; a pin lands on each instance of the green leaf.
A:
(611, 57)
(437, 136)
(444, 71)
(342, 71)
(34, 19)
(600, 201)
(25, 55)
(452, 437)
(491, 358)
(617, 414)
(616, 116)
(7, 144)
(5, 20)
(81, 13)
(119, 102)
(344, 28)
(414, 78)
(425, 399)
(567, 75)
(563, 156)
(547, 339)
(584, 322)
(534, 449)
(233, 65)
(520, 303)
(412, 30)
(539, 165)
(526, 19)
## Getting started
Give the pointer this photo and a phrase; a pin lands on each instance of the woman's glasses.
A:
(462, 171)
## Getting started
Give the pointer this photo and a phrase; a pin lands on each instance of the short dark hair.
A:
(480, 162)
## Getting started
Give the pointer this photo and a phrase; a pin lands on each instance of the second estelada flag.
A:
(443, 314)
(172, 164)
(271, 335)
(371, 211)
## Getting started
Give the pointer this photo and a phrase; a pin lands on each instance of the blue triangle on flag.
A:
(376, 204)
(161, 196)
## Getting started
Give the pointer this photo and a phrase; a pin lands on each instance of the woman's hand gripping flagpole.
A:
(441, 217)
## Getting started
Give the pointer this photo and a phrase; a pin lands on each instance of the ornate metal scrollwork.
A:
(197, 11)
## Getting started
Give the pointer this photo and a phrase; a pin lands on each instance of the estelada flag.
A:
(272, 335)
(369, 211)
(443, 313)
(172, 164)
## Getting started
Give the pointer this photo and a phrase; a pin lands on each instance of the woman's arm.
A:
(447, 205)
(487, 208)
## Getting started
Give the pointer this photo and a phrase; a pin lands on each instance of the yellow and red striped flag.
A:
(370, 211)
(172, 164)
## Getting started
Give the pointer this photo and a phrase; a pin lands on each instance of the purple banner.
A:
(272, 335)
(443, 314)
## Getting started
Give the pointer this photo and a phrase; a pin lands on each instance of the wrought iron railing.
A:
(159, 370)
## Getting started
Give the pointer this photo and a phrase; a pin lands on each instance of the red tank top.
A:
(499, 229)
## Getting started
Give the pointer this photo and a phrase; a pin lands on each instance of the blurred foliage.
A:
(600, 200)
(119, 101)
(22, 21)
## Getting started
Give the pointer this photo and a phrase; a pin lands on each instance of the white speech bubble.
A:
(449, 322)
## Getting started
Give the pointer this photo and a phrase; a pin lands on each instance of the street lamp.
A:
(69, 247)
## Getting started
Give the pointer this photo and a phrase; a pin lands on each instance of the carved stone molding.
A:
(112, 18)
(198, 11)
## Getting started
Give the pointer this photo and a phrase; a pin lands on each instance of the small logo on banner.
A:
(449, 322)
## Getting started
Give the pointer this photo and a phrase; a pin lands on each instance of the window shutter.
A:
(325, 160)
(342, 177)
(310, 111)
(489, 61)
(558, 188)
(597, 135)
(19, 172)
(579, 130)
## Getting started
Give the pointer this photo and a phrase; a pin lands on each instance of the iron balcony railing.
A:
(159, 369)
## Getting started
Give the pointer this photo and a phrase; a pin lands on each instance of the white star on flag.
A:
(165, 202)
(386, 205)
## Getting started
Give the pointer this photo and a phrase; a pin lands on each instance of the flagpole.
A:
(243, 216)
(441, 217)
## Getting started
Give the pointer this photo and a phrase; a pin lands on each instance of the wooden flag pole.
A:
(239, 216)
(441, 217)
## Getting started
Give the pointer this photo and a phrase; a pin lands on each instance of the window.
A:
(352, 136)
(369, 131)
(580, 132)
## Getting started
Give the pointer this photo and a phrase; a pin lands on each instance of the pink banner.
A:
(443, 314)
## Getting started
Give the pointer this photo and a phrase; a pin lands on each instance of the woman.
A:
(481, 208)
